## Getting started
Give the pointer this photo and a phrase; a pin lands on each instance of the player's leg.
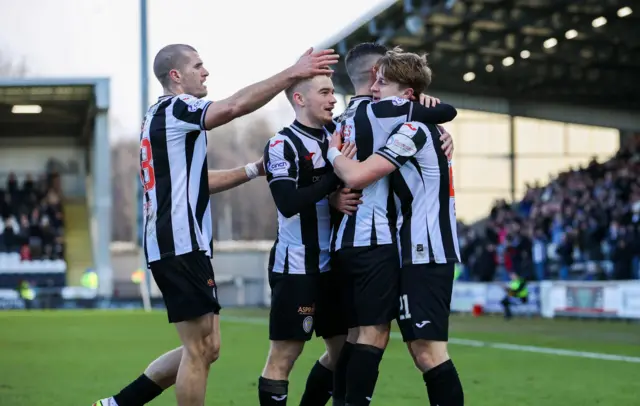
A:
(201, 347)
(188, 289)
(348, 312)
(425, 296)
(506, 303)
(375, 272)
(332, 327)
(342, 363)
(291, 322)
(158, 376)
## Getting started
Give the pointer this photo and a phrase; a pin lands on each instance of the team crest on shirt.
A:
(193, 107)
(307, 324)
(399, 101)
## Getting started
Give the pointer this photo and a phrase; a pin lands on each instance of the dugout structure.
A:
(62, 124)
(567, 61)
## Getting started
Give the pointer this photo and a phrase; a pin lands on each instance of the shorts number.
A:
(404, 308)
(147, 175)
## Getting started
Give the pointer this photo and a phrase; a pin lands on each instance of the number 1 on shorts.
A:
(404, 308)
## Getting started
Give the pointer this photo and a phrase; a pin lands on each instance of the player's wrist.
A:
(251, 169)
(332, 154)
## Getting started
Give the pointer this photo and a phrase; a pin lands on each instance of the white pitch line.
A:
(477, 343)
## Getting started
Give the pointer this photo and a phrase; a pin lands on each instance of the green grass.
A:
(77, 357)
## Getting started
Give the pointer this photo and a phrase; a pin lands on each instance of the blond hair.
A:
(406, 68)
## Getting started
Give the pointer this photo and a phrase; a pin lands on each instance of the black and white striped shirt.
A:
(173, 171)
(369, 125)
(298, 154)
(424, 194)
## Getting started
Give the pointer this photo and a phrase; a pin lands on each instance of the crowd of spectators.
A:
(32, 223)
(584, 224)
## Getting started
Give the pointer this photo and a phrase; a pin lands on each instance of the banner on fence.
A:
(591, 299)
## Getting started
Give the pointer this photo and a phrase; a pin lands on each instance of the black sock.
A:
(271, 392)
(443, 385)
(138, 392)
(340, 375)
(319, 386)
(362, 374)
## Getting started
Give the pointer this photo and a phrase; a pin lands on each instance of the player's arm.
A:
(225, 179)
(253, 97)
(440, 114)
(414, 111)
(281, 167)
(403, 143)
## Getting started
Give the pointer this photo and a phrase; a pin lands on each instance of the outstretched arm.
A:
(225, 179)
(257, 95)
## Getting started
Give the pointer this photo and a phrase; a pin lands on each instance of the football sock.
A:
(443, 385)
(272, 392)
(139, 392)
(319, 386)
(340, 374)
(362, 374)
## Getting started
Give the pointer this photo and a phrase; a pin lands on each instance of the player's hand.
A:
(345, 201)
(336, 141)
(447, 142)
(260, 164)
(427, 101)
(349, 150)
(314, 63)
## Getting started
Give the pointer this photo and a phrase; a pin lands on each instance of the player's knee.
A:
(377, 336)
(283, 355)
(213, 349)
(206, 349)
(334, 347)
(428, 354)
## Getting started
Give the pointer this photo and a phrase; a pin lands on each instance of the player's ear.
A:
(174, 75)
(297, 97)
(408, 94)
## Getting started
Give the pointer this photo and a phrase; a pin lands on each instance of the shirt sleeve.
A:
(189, 112)
(405, 142)
(280, 160)
(291, 200)
(414, 111)
(440, 114)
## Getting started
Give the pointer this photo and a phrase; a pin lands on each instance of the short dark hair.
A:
(168, 58)
(359, 61)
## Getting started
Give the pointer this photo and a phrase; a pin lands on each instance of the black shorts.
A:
(371, 285)
(331, 320)
(302, 303)
(187, 284)
(425, 299)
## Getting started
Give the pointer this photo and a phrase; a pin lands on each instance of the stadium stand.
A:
(55, 195)
(561, 61)
(32, 230)
(585, 224)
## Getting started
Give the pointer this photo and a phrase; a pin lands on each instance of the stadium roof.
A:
(50, 107)
(573, 52)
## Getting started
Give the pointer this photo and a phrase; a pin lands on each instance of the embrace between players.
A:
(366, 230)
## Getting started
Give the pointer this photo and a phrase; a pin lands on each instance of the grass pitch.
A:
(73, 358)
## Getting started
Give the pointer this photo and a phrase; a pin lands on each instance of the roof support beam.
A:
(624, 120)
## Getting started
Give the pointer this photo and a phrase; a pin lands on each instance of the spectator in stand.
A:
(31, 222)
(582, 222)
